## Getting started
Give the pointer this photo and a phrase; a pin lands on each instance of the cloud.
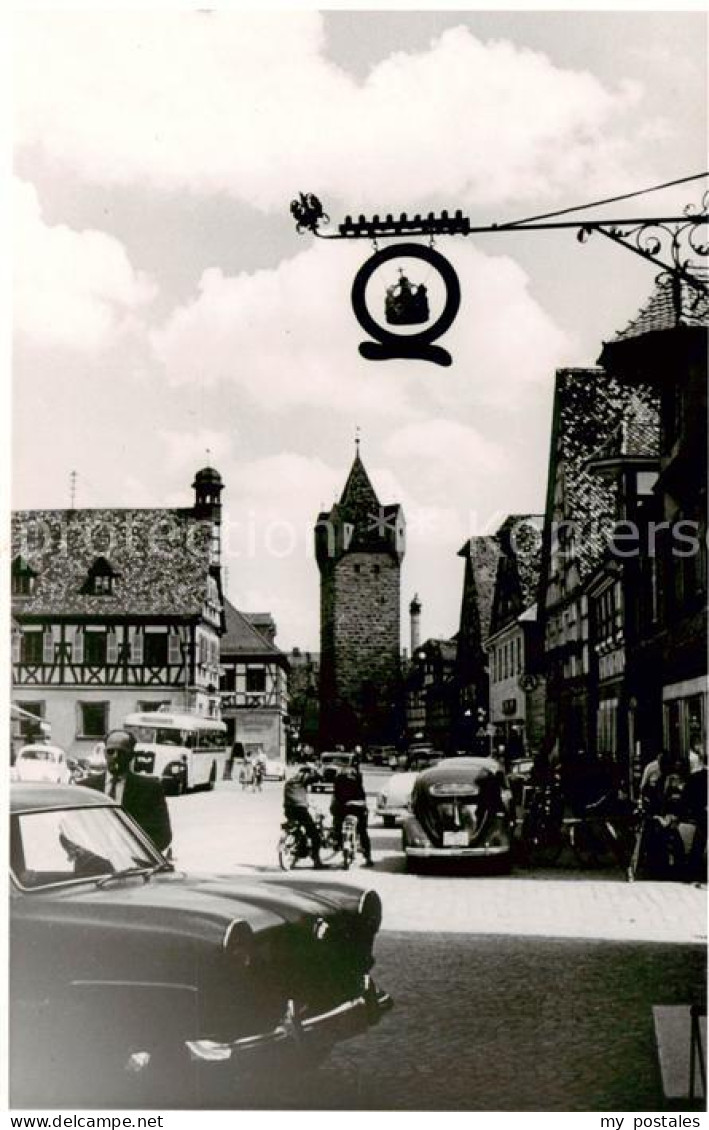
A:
(249, 105)
(72, 289)
(287, 337)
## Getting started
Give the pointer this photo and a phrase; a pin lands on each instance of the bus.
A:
(186, 751)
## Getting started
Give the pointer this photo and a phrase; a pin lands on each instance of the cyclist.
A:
(349, 798)
(297, 809)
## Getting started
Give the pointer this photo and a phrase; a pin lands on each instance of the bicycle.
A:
(597, 838)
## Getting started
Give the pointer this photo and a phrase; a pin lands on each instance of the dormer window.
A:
(23, 577)
(99, 581)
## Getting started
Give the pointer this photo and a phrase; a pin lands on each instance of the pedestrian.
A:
(236, 754)
(693, 811)
(141, 796)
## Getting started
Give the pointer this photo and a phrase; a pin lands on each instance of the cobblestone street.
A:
(229, 830)
(533, 991)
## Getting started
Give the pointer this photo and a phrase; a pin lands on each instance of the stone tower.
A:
(359, 547)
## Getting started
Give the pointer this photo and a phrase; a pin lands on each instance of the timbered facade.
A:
(254, 683)
(604, 442)
(116, 611)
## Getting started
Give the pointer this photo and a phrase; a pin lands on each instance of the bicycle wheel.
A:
(287, 851)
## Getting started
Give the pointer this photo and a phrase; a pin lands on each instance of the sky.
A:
(166, 313)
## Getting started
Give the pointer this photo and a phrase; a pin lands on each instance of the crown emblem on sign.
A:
(406, 304)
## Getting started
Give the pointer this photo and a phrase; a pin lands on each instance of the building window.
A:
(358, 569)
(227, 681)
(155, 649)
(377, 570)
(22, 578)
(30, 730)
(95, 648)
(99, 581)
(255, 679)
(32, 646)
(93, 720)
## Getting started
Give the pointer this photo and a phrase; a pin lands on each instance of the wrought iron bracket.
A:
(675, 244)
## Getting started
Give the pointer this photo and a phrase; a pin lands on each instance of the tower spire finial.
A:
(358, 431)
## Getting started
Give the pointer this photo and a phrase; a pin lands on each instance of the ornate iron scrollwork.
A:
(675, 245)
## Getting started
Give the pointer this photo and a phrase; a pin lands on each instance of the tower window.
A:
(377, 570)
(358, 569)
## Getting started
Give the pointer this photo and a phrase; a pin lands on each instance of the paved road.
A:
(529, 992)
(232, 831)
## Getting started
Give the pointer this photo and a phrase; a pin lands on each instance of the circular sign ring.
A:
(412, 251)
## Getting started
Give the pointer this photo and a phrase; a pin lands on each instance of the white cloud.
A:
(72, 289)
(249, 105)
(287, 337)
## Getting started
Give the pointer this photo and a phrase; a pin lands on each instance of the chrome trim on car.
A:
(446, 853)
(360, 1011)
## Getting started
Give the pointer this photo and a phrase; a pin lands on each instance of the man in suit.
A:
(141, 797)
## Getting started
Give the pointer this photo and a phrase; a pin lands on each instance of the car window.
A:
(61, 845)
(37, 755)
(142, 733)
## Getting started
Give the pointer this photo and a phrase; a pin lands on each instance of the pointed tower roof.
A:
(359, 494)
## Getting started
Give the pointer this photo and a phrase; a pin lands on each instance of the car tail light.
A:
(238, 942)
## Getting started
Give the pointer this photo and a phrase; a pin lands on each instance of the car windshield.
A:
(38, 755)
(336, 759)
(65, 845)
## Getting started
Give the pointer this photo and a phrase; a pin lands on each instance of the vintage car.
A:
(329, 766)
(42, 762)
(395, 797)
(133, 984)
(461, 809)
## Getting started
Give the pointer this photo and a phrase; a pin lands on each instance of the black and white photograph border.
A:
(357, 689)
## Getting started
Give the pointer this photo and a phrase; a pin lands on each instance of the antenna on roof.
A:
(72, 488)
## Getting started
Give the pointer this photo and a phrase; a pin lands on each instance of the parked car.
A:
(328, 768)
(274, 769)
(43, 762)
(381, 754)
(394, 798)
(462, 808)
(132, 984)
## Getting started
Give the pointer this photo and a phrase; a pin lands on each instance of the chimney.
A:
(415, 615)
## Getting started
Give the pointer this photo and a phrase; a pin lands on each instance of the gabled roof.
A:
(242, 640)
(160, 561)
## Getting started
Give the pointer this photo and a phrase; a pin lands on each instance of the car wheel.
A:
(389, 821)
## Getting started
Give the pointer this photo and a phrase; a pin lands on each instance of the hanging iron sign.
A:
(406, 315)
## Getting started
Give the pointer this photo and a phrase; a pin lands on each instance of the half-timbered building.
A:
(254, 683)
(116, 610)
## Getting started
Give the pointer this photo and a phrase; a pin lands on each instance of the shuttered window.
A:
(174, 653)
(136, 646)
(77, 652)
(48, 648)
(112, 647)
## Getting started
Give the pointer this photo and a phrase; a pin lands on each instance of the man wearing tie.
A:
(140, 796)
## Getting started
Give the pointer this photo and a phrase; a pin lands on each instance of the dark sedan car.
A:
(461, 809)
(132, 984)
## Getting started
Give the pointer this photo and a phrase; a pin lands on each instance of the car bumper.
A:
(347, 1019)
(393, 811)
(481, 852)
